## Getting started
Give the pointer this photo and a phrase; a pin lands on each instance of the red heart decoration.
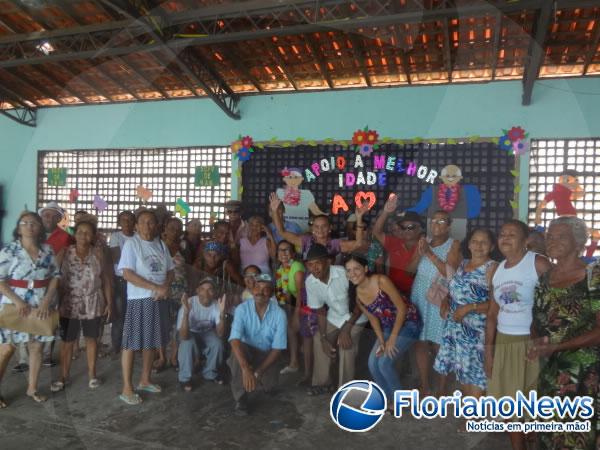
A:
(361, 197)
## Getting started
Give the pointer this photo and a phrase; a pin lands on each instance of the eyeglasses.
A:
(27, 223)
(440, 221)
(408, 227)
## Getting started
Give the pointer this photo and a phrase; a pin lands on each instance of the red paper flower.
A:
(359, 137)
(247, 141)
(372, 137)
(285, 172)
(516, 134)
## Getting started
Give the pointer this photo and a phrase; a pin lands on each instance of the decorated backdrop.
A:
(335, 176)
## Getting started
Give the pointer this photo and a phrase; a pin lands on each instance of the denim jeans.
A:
(382, 368)
(212, 347)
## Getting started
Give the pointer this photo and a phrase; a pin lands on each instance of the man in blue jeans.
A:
(201, 325)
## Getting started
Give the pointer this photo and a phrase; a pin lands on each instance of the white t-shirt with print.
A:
(148, 259)
(118, 239)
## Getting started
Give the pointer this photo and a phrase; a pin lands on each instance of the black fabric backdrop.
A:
(482, 164)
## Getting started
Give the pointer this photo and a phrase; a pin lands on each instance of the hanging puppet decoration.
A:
(563, 194)
(462, 202)
(297, 202)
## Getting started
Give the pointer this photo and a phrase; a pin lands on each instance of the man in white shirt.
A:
(339, 328)
(201, 325)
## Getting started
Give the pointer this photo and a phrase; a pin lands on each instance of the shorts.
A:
(69, 328)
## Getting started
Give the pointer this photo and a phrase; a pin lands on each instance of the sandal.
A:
(57, 386)
(94, 383)
(133, 399)
(36, 397)
(152, 388)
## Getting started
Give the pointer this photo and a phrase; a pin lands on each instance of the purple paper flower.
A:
(520, 147)
(365, 149)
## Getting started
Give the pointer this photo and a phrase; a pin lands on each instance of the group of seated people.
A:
(493, 315)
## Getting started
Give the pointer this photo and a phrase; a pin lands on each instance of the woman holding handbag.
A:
(436, 254)
(28, 280)
(462, 348)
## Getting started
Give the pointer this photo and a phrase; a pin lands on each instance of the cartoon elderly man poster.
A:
(297, 202)
(462, 202)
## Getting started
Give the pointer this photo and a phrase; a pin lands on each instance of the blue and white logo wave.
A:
(358, 406)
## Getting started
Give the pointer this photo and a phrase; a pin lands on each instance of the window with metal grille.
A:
(115, 175)
(549, 158)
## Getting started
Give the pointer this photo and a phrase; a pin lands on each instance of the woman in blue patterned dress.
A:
(435, 254)
(28, 279)
(462, 348)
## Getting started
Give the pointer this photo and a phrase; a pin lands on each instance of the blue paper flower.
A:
(505, 143)
(243, 154)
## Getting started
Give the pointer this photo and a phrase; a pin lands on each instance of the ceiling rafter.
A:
(535, 54)
(593, 46)
(24, 80)
(359, 55)
(42, 71)
(315, 49)
(281, 62)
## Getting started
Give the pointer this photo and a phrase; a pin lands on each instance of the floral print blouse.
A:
(82, 297)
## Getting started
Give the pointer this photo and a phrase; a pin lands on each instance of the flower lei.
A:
(448, 197)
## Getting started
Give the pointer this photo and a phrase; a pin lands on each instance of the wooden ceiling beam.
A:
(314, 48)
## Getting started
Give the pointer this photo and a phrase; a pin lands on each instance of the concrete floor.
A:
(82, 418)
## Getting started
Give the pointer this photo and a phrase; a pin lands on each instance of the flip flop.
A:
(152, 388)
(36, 397)
(57, 386)
(133, 399)
(94, 383)
(186, 386)
(3, 403)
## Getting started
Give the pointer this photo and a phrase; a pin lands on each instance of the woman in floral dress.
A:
(462, 347)
(566, 323)
(28, 279)
(85, 299)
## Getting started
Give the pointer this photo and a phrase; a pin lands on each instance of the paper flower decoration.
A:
(73, 195)
(372, 137)
(243, 154)
(247, 141)
(505, 143)
(359, 137)
(99, 203)
(516, 134)
(235, 146)
(182, 207)
(365, 149)
(520, 147)
(143, 193)
(285, 172)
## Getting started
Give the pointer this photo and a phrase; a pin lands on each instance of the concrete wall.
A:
(561, 108)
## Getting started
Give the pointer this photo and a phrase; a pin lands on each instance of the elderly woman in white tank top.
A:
(510, 316)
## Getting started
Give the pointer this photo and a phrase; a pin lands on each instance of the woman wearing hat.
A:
(28, 279)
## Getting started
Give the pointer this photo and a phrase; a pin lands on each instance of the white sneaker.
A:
(288, 369)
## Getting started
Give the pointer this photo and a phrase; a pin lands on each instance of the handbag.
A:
(11, 320)
(438, 291)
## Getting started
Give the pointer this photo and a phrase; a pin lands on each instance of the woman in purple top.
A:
(393, 318)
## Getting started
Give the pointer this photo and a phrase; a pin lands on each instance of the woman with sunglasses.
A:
(434, 255)
(28, 279)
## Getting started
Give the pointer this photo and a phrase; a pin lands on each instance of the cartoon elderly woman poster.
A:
(297, 202)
